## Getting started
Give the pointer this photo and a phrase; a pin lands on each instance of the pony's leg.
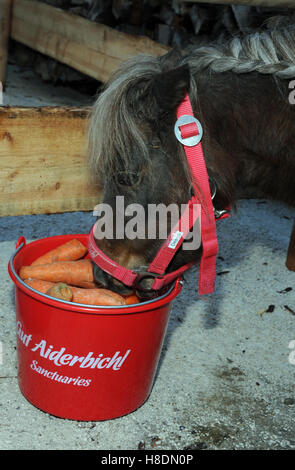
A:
(290, 262)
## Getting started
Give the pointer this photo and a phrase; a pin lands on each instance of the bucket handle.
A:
(21, 241)
(179, 284)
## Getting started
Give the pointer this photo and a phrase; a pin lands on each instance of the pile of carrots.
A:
(63, 274)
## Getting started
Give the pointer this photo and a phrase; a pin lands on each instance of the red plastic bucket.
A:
(83, 362)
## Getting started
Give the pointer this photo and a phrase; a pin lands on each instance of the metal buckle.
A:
(217, 212)
(189, 141)
(213, 193)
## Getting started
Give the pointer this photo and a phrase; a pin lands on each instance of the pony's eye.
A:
(127, 178)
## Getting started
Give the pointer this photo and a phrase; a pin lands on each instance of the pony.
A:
(241, 92)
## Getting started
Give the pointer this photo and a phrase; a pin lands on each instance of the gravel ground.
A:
(224, 379)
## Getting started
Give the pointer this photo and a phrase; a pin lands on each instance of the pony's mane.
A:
(114, 126)
(266, 52)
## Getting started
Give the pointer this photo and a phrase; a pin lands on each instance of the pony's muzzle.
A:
(142, 286)
(108, 282)
(144, 281)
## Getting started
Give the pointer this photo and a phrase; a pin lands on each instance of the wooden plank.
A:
(94, 49)
(5, 16)
(43, 167)
(262, 3)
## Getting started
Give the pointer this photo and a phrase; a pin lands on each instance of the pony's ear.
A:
(169, 88)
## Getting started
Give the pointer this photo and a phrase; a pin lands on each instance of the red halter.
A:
(188, 131)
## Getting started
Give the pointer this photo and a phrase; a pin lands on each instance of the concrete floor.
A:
(224, 379)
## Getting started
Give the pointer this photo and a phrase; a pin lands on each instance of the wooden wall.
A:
(43, 168)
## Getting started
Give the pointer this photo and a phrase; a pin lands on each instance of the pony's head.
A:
(135, 153)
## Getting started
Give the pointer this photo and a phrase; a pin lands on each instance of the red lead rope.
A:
(196, 161)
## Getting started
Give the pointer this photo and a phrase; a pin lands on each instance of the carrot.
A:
(132, 299)
(70, 272)
(96, 297)
(41, 286)
(70, 251)
(88, 285)
(81, 296)
(61, 291)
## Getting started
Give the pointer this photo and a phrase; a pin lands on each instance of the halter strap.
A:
(188, 131)
(196, 161)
